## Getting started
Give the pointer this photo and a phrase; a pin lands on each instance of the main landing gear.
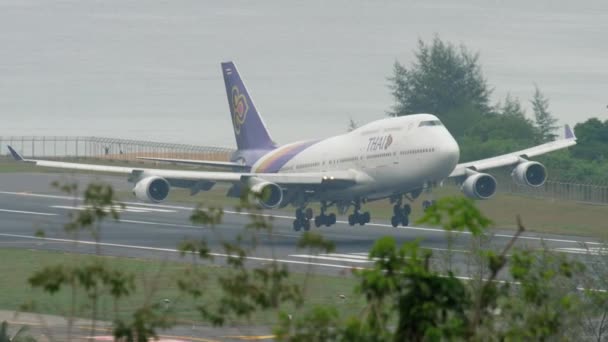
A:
(323, 219)
(358, 217)
(401, 214)
(304, 216)
(302, 220)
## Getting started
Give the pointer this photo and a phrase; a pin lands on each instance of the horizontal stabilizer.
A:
(229, 165)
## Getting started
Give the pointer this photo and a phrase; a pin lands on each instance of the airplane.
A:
(393, 158)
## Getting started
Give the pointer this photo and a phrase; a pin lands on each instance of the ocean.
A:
(151, 69)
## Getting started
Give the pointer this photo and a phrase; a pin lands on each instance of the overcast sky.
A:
(150, 69)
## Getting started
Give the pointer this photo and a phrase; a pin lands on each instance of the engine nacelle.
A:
(268, 195)
(479, 186)
(530, 173)
(152, 189)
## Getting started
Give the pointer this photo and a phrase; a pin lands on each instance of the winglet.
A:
(569, 133)
(15, 154)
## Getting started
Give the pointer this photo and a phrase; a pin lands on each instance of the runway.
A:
(28, 204)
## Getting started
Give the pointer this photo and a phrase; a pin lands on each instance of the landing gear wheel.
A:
(407, 210)
(365, 217)
(331, 219)
(395, 221)
(319, 221)
(397, 211)
(296, 225)
(308, 213)
(299, 214)
(306, 225)
(351, 220)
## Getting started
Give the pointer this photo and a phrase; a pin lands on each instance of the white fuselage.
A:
(398, 155)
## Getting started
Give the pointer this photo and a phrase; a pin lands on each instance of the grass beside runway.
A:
(155, 281)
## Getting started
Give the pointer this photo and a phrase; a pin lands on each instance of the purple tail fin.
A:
(249, 129)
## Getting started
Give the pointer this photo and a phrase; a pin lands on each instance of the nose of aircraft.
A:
(450, 152)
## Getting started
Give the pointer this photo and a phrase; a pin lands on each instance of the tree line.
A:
(447, 80)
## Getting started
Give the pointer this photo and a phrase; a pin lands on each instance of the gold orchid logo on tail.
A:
(239, 109)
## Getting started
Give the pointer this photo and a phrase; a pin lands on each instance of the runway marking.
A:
(435, 230)
(590, 251)
(177, 225)
(117, 208)
(160, 339)
(431, 249)
(157, 249)
(161, 224)
(332, 257)
(27, 212)
(251, 338)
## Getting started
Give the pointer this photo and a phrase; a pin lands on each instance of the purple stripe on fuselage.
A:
(282, 156)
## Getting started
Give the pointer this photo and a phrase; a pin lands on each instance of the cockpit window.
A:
(430, 123)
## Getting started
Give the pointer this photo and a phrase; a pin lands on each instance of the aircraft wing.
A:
(515, 157)
(229, 165)
(185, 178)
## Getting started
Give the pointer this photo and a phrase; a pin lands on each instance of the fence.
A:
(586, 193)
(553, 189)
(108, 148)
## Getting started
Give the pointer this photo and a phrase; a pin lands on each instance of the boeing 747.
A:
(393, 158)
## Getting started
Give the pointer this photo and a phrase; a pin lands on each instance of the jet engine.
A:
(529, 173)
(268, 195)
(152, 189)
(479, 186)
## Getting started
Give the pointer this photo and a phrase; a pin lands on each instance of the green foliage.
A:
(592, 140)
(405, 297)
(545, 121)
(444, 80)
(406, 300)
(245, 289)
(143, 326)
(546, 303)
(427, 304)
(318, 325)
(503, 131)
(99, 203)
(563, 166)
(96, 278)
